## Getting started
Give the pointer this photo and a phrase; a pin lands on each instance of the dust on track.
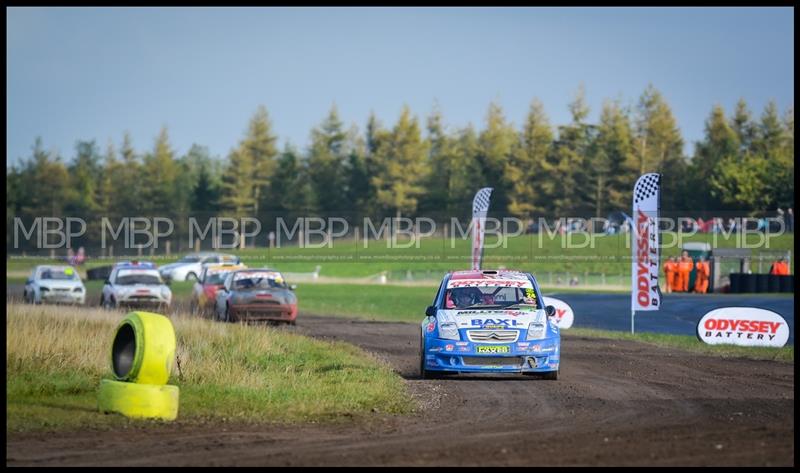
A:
(617, 403)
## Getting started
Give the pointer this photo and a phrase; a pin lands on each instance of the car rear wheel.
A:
(191, 277)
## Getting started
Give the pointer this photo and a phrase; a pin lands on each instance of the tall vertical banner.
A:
(645, 293)
(480, 206)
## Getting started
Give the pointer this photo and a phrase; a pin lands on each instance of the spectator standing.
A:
(702, 276)
(685, 266)
(780, 267)
(670, 271)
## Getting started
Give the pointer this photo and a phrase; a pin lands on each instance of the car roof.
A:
(249, 270)
(53, 266)
(486, 274)
(135, 265)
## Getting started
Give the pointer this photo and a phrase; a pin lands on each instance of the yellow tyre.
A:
(144, 349)
(138, 401)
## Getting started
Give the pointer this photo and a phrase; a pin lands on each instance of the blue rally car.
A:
(489, 322)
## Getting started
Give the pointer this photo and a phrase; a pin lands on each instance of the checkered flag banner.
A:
(645, 292)
(480, 206)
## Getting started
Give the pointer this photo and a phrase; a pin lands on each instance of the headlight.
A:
(78, 289)
(165, 292)
(449, 331)
(45, 289)
(536, 331)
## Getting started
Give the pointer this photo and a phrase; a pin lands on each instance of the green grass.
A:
(540, 254)
(56, 357)
(396, 303)
(689, 343)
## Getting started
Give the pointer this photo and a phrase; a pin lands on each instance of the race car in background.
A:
(135, 284)
(204, 292)
(485, 321)
(58, 284)
(256, 294)
(190, 266)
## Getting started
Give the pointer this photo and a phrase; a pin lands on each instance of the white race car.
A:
(190, 266)
(55, 284)
(136, 284)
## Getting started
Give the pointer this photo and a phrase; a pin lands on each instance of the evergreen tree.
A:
(612, 173)
(720, 142)
(659, 148)
(527, 168)
(497, 143)
(129, 197)
(402, 167)
(441, 153)
(289, 189)
(742, 125)
(466, 175)
(206, 193)
(84, 176)
(238, 196)
(161, 171)
(326, 165)
(259, 147)
(105, 188)
(568, 184)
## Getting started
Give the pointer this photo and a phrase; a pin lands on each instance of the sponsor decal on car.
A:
(448, 347)
(462, 344)
(746, 326)
(431, 327)
(536, 348)
(492, 349)
(453, 283)
(495, 323)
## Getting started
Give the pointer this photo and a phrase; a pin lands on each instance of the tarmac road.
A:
(678, 315)
(617, 403)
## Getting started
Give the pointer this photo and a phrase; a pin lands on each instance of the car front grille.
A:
(515, 361)
(493, 336)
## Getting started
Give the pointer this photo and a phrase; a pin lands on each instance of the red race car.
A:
(204, 293)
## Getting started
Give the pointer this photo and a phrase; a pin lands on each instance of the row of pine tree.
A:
(744, 163)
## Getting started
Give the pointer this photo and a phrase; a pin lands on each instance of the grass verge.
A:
(56, 356)
(689, 343)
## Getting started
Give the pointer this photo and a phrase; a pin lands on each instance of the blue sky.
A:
(91, 73)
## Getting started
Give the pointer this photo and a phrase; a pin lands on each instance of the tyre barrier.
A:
(142, 356)
(138, 401)
(774, 283)
(761, 283)
(787, 283)
(144, 349)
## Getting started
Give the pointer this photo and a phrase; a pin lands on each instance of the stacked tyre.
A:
(142, 357)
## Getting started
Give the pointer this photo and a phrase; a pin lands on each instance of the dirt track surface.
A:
(617, 403)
